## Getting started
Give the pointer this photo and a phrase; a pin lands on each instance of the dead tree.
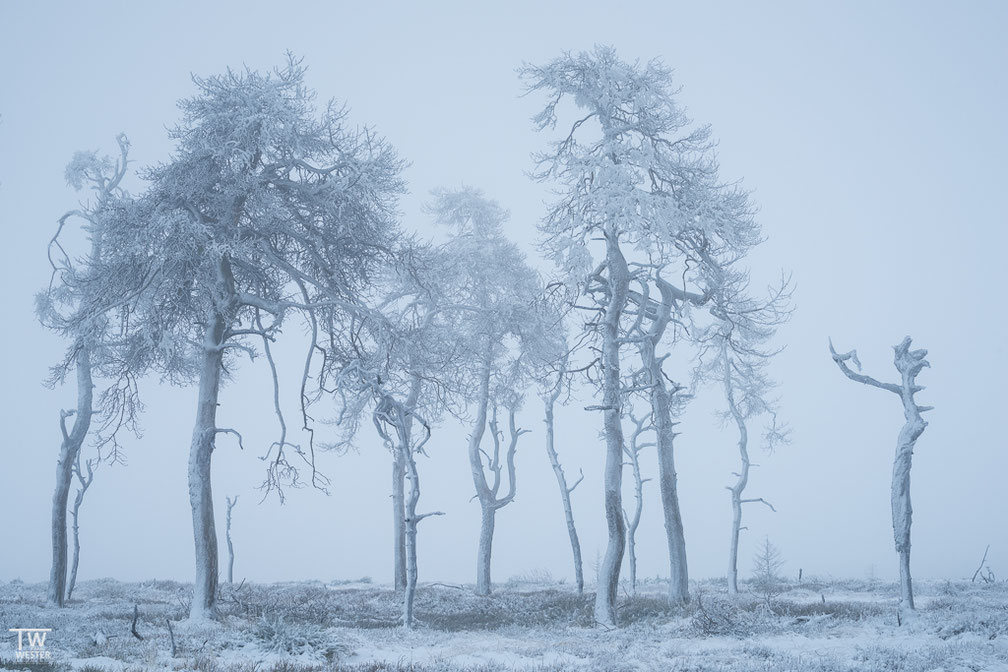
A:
(230, 505)
(909, 363)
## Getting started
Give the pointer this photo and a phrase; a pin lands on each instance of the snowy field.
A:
(526, 625)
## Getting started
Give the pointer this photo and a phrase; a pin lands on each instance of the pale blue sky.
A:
(873, 135)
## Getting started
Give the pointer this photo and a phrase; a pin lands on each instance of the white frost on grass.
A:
(346, 626)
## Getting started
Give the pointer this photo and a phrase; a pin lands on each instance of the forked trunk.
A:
(69, 450)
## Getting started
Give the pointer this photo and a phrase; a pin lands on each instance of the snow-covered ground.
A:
(821, 626)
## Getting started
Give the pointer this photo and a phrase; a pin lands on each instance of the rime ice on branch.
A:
(909, 363)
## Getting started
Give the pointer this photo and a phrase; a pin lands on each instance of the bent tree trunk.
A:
(399, 519)
(609, 570)
(204, 600)
(479, 481)
(664, 429)
(486, 493)
(664, 426)
(69, 450)
(565, 491)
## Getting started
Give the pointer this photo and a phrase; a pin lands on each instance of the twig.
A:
(171, 632)
(136, 615)
(983, 561)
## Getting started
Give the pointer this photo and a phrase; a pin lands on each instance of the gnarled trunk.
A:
(902, 512)
(69, 450)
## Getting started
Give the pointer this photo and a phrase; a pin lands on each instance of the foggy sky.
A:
(872, 135)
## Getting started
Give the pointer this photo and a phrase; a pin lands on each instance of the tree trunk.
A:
(483, 586)
(69, 450)
(565, 493)
(743, 478)
(399, 519)
(609, 570)
(901, 510)
(483, 493)
(632, 522)
(412, 498)
(204, 600)
(75, 512)
(733, 552)
(227, 534)
(664, 429)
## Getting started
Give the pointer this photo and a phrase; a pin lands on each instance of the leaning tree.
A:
(640, 201)
(266, 208)
(909, 363)
(74, 306)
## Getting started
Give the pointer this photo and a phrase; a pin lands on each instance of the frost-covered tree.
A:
(401, 368)
(73, 306)
(735, 353)
(639, 201)
(497, 295)
(909, 363)
(266, 208)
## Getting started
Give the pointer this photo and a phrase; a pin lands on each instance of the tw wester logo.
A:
(31, 643)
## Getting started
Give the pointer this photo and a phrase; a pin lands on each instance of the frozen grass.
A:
(530, 624)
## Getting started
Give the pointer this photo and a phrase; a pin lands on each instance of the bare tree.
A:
(84, 477)
(909, 363)
(633, 450)
(230, 505)
(265, 209)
